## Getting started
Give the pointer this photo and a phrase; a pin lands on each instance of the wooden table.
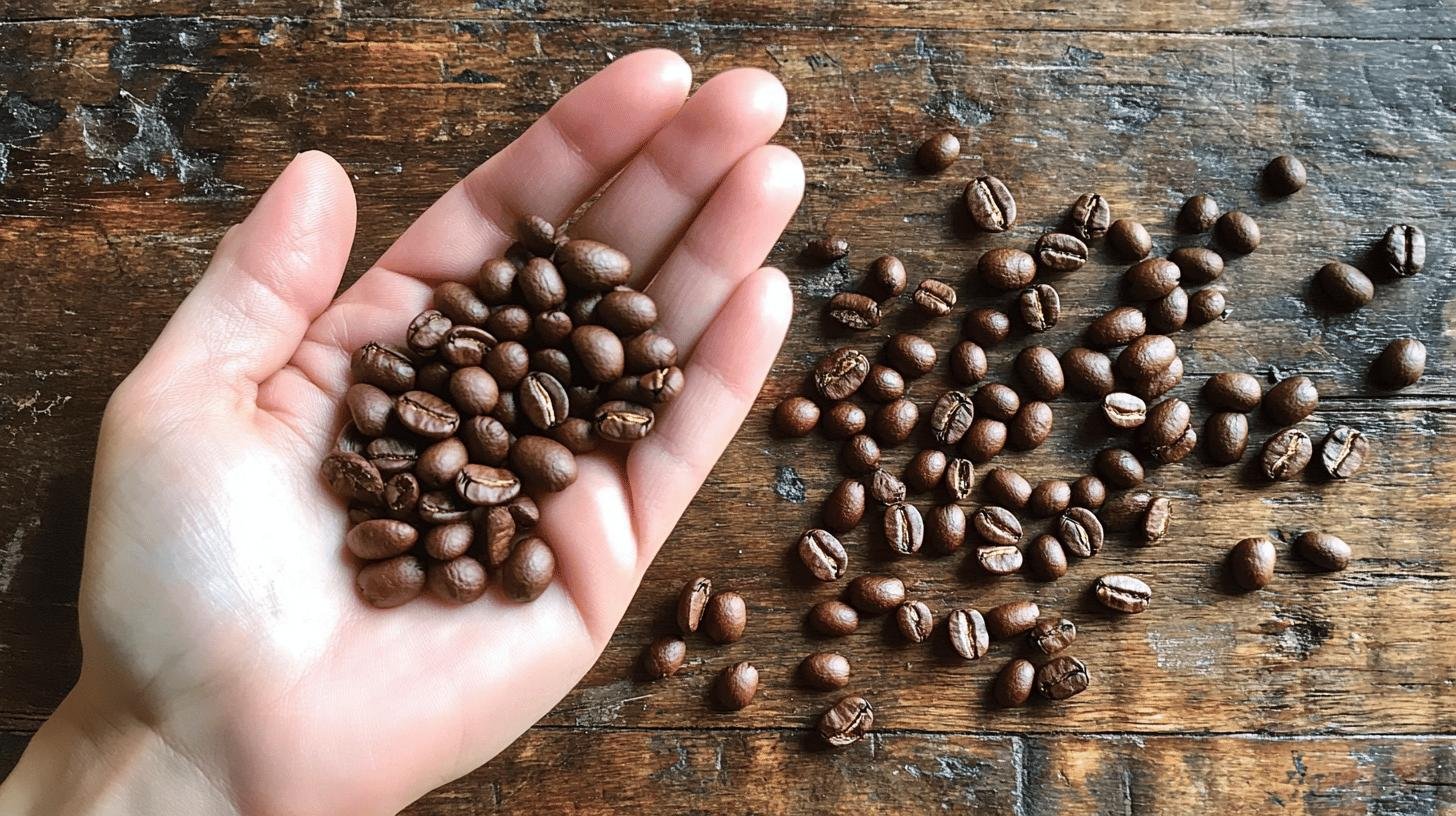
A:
(132, 134)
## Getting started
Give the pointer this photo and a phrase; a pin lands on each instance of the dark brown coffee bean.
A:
(736, 685)
(592, 265)
(692, 599)
(1006, 269)
(860, 454)
(495, 530)
(1119, 468)
(1146, 356)
(1284, 175)
(540, 285)
(551, 329)
(915, 621)
(1251, 563)
(997, 401)
(999, 560)
(369, 407)
(459, 580)
(910, 354)
(543, 400)
(1206, 306)
(990, 204)
(537, 235)
(1062, 677)
(380, 538)
(1039, 369)
(553, 362)
(984, 440)
(473, 391)
(402, 494)
(1344, 287)
(1129, 239)
(507, 411)
(904, 528)
(854, 311)
(1007, 488)
(1198, 214)
(1011, 619)
(1168, 313)
(1052, 636)
(1197, 265)
(1344, 451)
(885, 487)
(996, 526)
(664, 657)
(1049, 498)
(876, 594)
(1088, 372)
(1080, 532)
(1225, 437)
(647, 351)
(1040, 307)
(883, 384)
(1401, 364)
(845, 506)
(951, 417)
(833, 618)
(826, 249)
(1014, 683)
(1123, 410)
(383, 366)
(1117, 327)
(440, 463)
(353, 477)
(496, 281)
(1285, 455)
(524, 512)
(847, 722)
(599, 353)
(621, 421)
(938, 152)
(482, 485)
(1177, 449)
(1403, 250)
(925, 470)
(529, 570)
(1122, 593)
(1045, 557)
(886, 278)
(986, 326)
(387, 584)
(507, 322)
(1089, 492)
(1325, 551)
(945, 528)
(391, 456)
(1125, 511)
(427, 331)
(823, 555)
(1060, 253)
(1156, 520)
(426, 415)
(1233, 391)
(624, 311)
(843, 420)
(1291, 400)
(893, 422)
(1089, 217)
(840, 373)
(796, 416)
(486, 439)
(460, 304)
(467, 345)
(508, 362)
(1031, 426)
(1165, 423)
(825, 671)
(545, 465)
(966, 629)
(1236, 232)
(725, 617)
(934, 298)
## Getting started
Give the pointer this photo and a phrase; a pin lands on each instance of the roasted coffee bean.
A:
(1031, 426)
(1011, 619)
(483, 485)
(1007, 488)
(1060, 253)
(725, 617)
(552, 329)
(1251, 563)
(904, 528)
(1284, 175)
(1165, 423)
(1049, 498)
(999, 560)
(1293, 399)
(529, 570)
(1129, 239)
(854, 311)
(496, 281)
(796, 416)
(883, 384)
(1168, 313)
(860, 454)
(486, 439)
(1080, 532)
(986, 326)
(1045, 557)
(1122, 593)
(876, 594)
(938, 152)
(402, 494)
(1225, 437)
(1123, 410)
(845, 506)
(1040, 307)
(996, 401)
(647, 351)
(847, 722)
(990, 204)
(508, 362)
(441, 462)
(893, 422)
(467, 345)
(664, 657)
(1006, 269)
(1088, 372)
(826, 249)
(1176, 450)
(496, 529)
(621, 421)
(1146, 356)
(1403, 250)
(1236, 232)
(1400, 364)
(427, 331)
(553, 362)
(1325, 551)
(1151, 279)
(625, 311)
(996, 526)
(984, 440)
(843, 420)
(1285, 454)
(545, 465)
(692, 599)
(1343, 451)
(353, 477)
(1089, 492)
(1014, 683)
(543, 400)
(383, 366)
(1233, 391)
(967, 631)
(910, 354)
(736, 685)
(426, 415)
(833, 618)
(508, 322)
(524, 512)
(599, 353)
(460, 304)
(1198, 214)
(945, 528)
(582, 309)
(1119, 467)
(1125, 511)
(840, 373)
(1206, 306)
(925, 470)
(915, 621)
(934, 298)
(387, 584)
(1344, 287)
(1052, 636)
(1156, 520)
(885, 487)
(951, 417)
(1062, 677)
(1090, 216)
(592, 265)
(473, 391)
(380, 538)
(369, 407)
(540, 285)
(886, 278)
(392, 455)
(459, 580)
(825, 671)
(1119, 326)
(1160, 383)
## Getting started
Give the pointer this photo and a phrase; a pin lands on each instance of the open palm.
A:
(218, 605)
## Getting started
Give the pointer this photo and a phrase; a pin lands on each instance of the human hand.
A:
(229, 663)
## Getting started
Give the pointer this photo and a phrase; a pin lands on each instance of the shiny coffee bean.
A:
(826, 249)
(984, 440)
(1145, 356)
(1285, 455)
(486, 439)
(1046, 558)
(1049, 498)
(986, 326)
(483, 485)
(1325, 551)
(1401, 364)
(904, 528)
(883, 384)
(543, 400)
(1225, 437)
(1089, 492)
(845, 506)
(402, 494)
(1151, 279)
(894, 422)
(426, 415)
(848, 721)
(1343, 452)
(951, 417)
(647, 351)
(1236, 232)
(1060, 253)
(1169, 313)
(664, 657)
(495, 530)
(390, 455)
(854, 311)
(1165, 423)
(1124, 410)
(735, 686)
(990, 204)
(508, 362)
(544, 465)
(1233, 391)
(910, 354)
(925, 470)
(1284, 175)
(999, 560)
(934, 298)
(796, 416)
(915, 621)
(599, 353)
(1062, 677)
(1403, 250)
(427, 331)
(938, 152)
(1119, 467)
(876, 594)
(886, 278)
(380, 538)
(692, 599)
(996, 526)
(1118, 326)
(1290, 401)
(1090, 216)
(1206, 306)
(1031, 426)
(725, 617)
(1251, 563)
(529, 570)
(967, 363)
(833, 618)
(1122, 593)
(1343, 286)
(496, 281)
(441, 462)
(945, 528)
(1197, 265)
(369, 407)
(1052, 636)
(1007, 488)
(1088, 372)
(624, 311)
(390, 583)
(1014, 683)
(1129, 239)
(966, 629)
(825, 671)
(592, 265)
(843, 420)
(860, 454)
(1080, 532)
(1040, 307)
(1198, 214)
(1011, 619)
(1006, 269)
(996, 401)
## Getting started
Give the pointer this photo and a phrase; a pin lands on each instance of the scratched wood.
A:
(128, 146)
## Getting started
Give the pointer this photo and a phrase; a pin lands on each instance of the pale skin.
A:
(229, 664)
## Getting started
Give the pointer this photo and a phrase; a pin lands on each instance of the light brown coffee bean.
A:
(1011, 619)
(390, 583)
(736, 686)
(848, 721)
(833, 618)
(825, 671)
(1080, 532)
(845, 506)
(460, 580)
(1233, 391)
(915, 621)
(380, 538)
(823, 555)
(725, 617)
(1052, 636)
(692, 599)
(876, 594)
(1122, 593)
(529, 569)
(1325, 551)
(966, 629)
(1007, 488)
(664, 657)
(934, 298)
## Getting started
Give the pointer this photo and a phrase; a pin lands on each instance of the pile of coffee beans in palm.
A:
(495, 392)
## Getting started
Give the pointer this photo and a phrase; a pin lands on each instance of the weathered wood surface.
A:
(128, 145)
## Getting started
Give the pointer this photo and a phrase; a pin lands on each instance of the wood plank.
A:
(17, 10)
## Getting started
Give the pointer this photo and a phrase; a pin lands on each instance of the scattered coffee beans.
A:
(1343, 452)
(938, 152)
(664, 657)
(1122, 593)
(1251, 563)
(1206, 306)
(1150, 279)
(934, 298)
(833, 618)
(845, 506)
(1129, 239)
(1236, 232)
(990, 204)
(1006, 269)
(1233, 391)
(1080, 532)
(847, 722)
(1014, 683)
(876, 594)
(1325, 551)
(1040, 372)
(1060, 253)
(915, 621)
(1403, 250)
(1011, 619)
(1040, 307)
(1291, 400)
(1197, 265)
(1089, 492)
(967, 363)
(1090, 216)
(966, 629)
(1284, 176)
(886, 278)
(1344, 287)
(692, 599)
(1225, 437)
(1088, 372)
(945, 529)
(826, 249)
(854, 311)
(843, 420)
(1006, 487)
(825, 671)
(1198, 214)
(925, 470)
(1401, 364)
(1045, 557)
(1049, 498)
(985, 326)
(823, 555)
(1119, 326)
(1052, 636)
(1286, 454)
(1062, 677)
(736, 686)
